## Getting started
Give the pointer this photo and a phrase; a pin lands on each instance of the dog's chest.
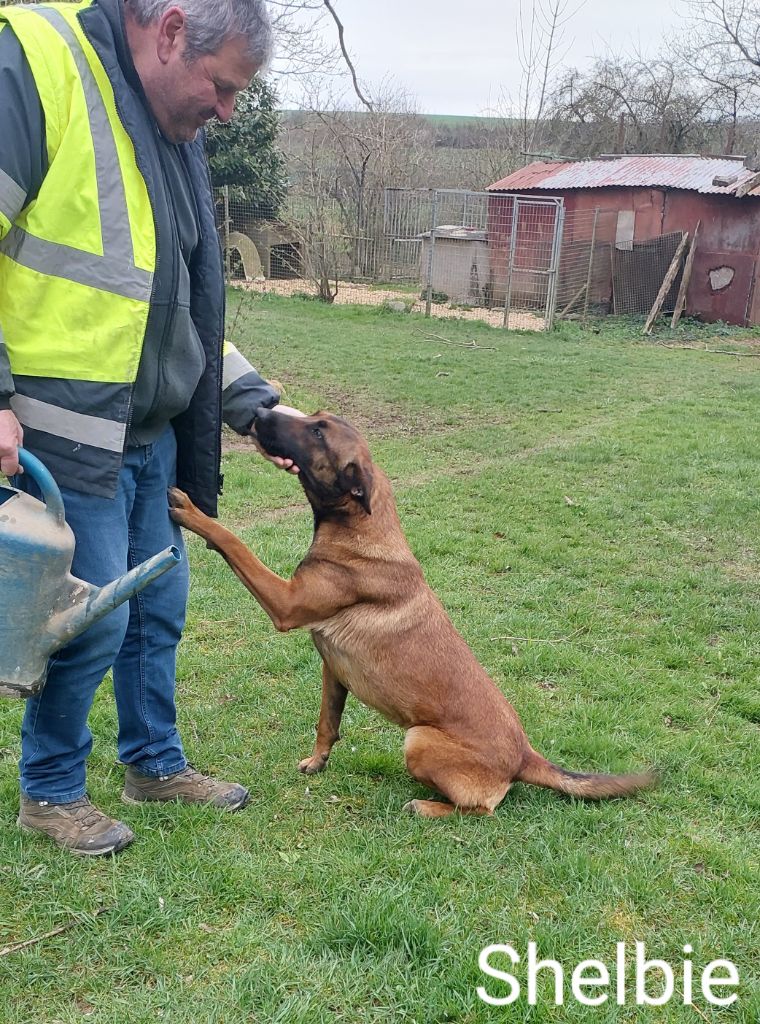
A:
(356, 666)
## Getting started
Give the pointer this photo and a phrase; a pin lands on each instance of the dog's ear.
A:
(358, 480)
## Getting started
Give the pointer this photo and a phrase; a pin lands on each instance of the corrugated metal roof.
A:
(695, 173)
(531, 176)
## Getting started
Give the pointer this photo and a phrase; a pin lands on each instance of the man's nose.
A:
(224, 109)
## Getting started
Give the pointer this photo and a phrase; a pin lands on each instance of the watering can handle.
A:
(42, 477)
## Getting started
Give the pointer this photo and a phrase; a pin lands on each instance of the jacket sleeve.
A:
(243, 390)
(23, 157)
(7, 387)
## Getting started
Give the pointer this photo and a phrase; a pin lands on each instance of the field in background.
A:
(586, 506)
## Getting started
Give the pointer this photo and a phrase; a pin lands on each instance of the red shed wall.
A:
(647, 203)
(729, 237)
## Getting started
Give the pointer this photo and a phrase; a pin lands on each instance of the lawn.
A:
(586, 505)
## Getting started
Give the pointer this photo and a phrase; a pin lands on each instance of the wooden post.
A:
(433, 222)
(667, 282)
(572, 301)
(747, 186)
(590, 266)
(227, 254)
(681, 300)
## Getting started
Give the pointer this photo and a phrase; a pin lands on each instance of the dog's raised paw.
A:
(181, 509)
(177, 498)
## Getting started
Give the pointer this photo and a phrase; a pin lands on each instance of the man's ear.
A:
(358, 479)
(171, 34)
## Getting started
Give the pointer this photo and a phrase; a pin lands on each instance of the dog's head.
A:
(333, 458)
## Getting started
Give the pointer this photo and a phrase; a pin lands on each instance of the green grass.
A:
(466, 120)
(450, 120)
(586, 506)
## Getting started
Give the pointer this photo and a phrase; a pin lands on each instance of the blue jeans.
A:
(138, 640)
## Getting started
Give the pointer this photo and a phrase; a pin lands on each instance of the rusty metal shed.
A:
(658, 195)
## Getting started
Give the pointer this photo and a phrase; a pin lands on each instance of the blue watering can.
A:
(42, 606)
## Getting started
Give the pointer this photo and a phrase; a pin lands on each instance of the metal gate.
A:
(494, 252)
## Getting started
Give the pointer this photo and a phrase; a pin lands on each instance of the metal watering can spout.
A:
(99, 601)
(42, 606)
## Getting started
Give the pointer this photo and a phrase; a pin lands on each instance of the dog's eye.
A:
(317, 432)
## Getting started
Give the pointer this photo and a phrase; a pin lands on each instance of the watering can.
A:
(42, 606)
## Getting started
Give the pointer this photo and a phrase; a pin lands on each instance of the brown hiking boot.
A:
(188, 786)
(77, 826)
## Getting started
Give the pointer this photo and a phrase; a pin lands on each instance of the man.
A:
(111, 368)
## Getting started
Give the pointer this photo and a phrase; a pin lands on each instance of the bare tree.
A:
(635, 104)
(311, 42)
(349, 63)
(341, 159)
(540, 32)
(723, 51)
(349, 158)
(303, 44)
(730, 28)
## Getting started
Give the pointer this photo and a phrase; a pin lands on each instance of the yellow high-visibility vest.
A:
(76, 263)
(78, 267)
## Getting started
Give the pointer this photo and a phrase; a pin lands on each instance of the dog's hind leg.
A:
(444, 763)
(330, 713)
(439, 809)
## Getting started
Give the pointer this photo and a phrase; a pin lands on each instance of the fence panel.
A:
(601, 273)
(446, 252)
(584, 282)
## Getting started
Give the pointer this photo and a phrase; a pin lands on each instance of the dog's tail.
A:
(537, 771)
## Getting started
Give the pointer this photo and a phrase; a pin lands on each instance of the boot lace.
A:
(86, 813)
(197, 778)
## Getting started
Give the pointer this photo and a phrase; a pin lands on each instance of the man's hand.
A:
(287, 464)
(11, 437)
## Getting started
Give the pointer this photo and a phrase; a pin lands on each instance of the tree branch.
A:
(346, 57)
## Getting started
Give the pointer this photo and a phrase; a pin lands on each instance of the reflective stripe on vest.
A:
(88, 268)
(57, 260)
(76, 426)
(234, 366)
(12, 196)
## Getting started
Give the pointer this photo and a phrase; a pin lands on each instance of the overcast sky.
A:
(460, 56)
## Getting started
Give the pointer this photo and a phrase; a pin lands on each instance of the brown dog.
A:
(382, 633)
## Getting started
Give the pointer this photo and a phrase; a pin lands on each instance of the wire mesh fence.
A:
(442, 252)
(604, 270)
(584, 286)
(513, 261)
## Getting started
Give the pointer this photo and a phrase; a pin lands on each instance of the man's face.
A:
(182, 95)
(194, 93)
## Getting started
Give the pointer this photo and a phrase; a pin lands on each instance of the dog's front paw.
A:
(182, 510)
(312, 765)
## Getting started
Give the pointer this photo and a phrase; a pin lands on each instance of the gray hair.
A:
(210, 23)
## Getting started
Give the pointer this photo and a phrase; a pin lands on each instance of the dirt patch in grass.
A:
(374, 419)
(717, 345)
(271, 515)
(745, 569)
(232, 442)
(351, 293)
(378, 419)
